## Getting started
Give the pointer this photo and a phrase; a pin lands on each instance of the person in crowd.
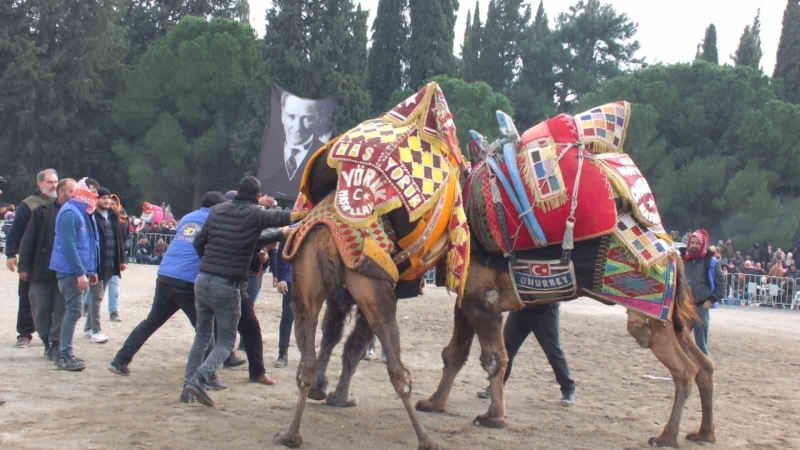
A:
(159, 249)
(75, 259)
(115, 281)
(112, 262)
(758, 269)
(706, 283)
(226, 245)
(283, 274)
(46, 181)
(47, 303)
(144, 254)
(543, 322)
(777, 269)
(8, 215)
(174, 288)
(737, 259)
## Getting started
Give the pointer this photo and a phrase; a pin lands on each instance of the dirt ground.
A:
(622, 396)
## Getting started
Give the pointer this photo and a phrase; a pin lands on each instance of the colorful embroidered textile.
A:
(603, 129)
(623, 282)
(458, 249)
(648, 248)
(540, 166)
(401, 159)
(538, 281)
(363, 249)
(633, 188)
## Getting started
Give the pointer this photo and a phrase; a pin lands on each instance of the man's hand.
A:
(122, 267)
(83, 283)
(24, 276)
(707, 304)
(274, 282)
(93, 279)
(266, 201)
(11, 263)
(283, 287)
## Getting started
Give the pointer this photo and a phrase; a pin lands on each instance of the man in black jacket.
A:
(47, 303)
(226, 245)
(112, 262)
(46, 181)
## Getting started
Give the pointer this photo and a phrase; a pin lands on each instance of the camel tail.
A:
(684, 314)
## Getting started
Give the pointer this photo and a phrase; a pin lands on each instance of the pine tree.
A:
(787, 62)
(749, 51)
(708, 51)
(506, 21)
(385, 61)
(533, 92)
(470, 50)
(430, 47)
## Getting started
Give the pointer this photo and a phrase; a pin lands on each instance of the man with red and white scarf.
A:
(75, 260)
(706, 282)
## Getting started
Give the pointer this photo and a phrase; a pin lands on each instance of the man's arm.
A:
(200, 240)
(67, 230)
(273, 218)
(28, 245)
(14, 237)
(280, 264)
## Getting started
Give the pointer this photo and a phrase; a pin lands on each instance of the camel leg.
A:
(705, 383)
(332, 330)
(379, 305)
(489, 328)
(354, 350)
(664, 344)
(454, 357)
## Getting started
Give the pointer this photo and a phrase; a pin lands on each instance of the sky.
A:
(668, 31)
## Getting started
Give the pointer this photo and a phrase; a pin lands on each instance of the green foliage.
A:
(708, 49)
(597, 44)
(470, 50)
(787, 62)
(184, 109)
(506, 22)
(717, 147)
(318, 49)
(385, 62)
(749, 51)
(473, 106)
(430, 47)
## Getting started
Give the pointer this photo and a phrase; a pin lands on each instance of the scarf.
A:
(702, 235)
(122, 215)
(83, 194)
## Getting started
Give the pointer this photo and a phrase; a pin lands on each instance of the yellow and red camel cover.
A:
(409, 158)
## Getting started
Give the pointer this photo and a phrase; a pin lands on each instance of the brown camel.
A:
(489, 293)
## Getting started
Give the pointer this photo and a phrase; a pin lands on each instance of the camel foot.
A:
(702, 436)
(428, 444)
(288, 440)
(428, 406)
(316, 393)
(489, 422)
(335, 400)
(663, 441)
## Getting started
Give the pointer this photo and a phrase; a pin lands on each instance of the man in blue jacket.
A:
(75, 260)
(174, 285)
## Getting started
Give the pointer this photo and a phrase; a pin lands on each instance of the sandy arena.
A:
(623, 394)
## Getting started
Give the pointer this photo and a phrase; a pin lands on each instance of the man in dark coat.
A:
(706, 282)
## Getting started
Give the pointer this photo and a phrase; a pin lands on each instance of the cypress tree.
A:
(470, 51)
(430, 47)
(708, 52)
(385, 61)
(749, 51)
(506, 21)
(533, 92)
(787, 62)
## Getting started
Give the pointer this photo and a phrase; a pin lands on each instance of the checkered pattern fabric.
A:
(648, 248)
(544, 174)
(603, 129)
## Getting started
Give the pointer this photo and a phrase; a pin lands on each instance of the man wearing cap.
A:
(112, 262)
(706, 282)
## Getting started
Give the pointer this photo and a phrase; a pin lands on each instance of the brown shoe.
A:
(23, 342)
(263, 379)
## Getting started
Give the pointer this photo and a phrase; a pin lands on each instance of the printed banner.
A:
(543, 281)
(296, 128)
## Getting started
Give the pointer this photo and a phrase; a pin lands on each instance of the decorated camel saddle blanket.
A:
(408, 158)
(543, 281)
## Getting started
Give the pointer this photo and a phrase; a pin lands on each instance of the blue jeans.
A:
(254, 286)
(287, 318)
(113, 294)
(217, 301)
(701, 329)
(73, 303)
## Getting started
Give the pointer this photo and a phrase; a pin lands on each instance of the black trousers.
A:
(250, 329)
(287, 318)
(171, 295)
(542, 321)
(25, 326)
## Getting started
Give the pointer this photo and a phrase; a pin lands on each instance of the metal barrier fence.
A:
(138, 253)
(746, 289)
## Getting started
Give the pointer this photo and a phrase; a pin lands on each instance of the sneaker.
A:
(70, 363)
(196, 389)
(119, 368)
(568, 400)
(370, 354)
(233, 361)
(187, 397)
(484, 393)
(114, 317)
(281, 362)
(23, 342)
(216, 384)
(99, 338)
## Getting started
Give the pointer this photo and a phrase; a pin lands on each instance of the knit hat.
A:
(82, 194)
